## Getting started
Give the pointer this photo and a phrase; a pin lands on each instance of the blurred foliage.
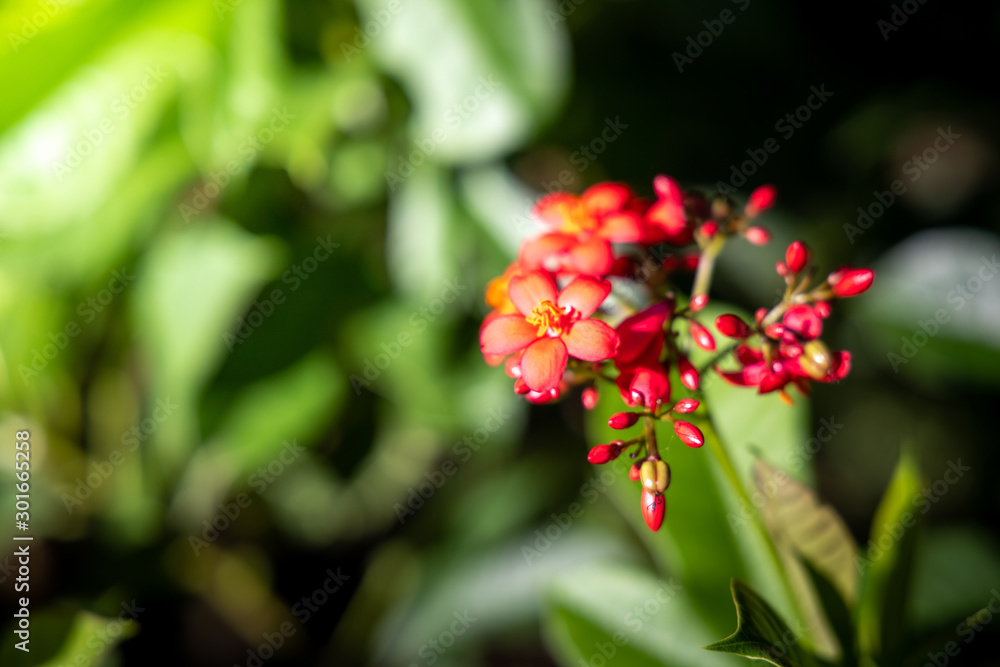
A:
(242, 250)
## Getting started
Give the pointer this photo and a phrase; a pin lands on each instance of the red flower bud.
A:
(686, 405)
(698, 301)
(604, 453)
(732, 326)
(709, 229)
(653, 506)
(804, 321)
(781, 268)
(851, 282)
(702, 337)
(797, 256)
(690, 261)
(689, 374)
(759, 315)
(689, 434)
(757, 235)
(775, 331)
(822, 309)
(633, 472)
(621, 420)
(589, 398)
(761, 199)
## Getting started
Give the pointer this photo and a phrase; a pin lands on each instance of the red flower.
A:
(850, 282)
(643, 380)
(549, 327)
(666, 219)
(582, 228)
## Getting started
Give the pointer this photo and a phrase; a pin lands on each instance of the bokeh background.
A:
(243, 246)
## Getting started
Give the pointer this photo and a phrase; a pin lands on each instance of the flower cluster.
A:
(553, 311)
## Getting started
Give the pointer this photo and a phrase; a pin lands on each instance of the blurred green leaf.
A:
(814, 529)
(626, 615)
(955, 571)
(761, 634)
(483, 75)
(887, 564)
(289, 407)
(836, 613)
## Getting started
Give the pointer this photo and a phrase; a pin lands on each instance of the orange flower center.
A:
(552, 320)
(577, 219)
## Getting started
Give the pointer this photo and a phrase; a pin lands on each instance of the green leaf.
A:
(761, 634)
(887, 565)
(482, 75)
(804, 528)
(837, 613)
(814, 529)
(626, 615)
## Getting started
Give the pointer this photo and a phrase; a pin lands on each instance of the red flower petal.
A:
(591, 340)
(549, 208)
(545, 252)
(531, 289)
(586, 294)
(623, 227)
(543, 363)
(591, 258)
(506, 334)
(640, 331)
(605, 198)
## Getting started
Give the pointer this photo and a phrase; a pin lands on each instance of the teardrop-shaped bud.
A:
(816, 359)
(633, 472)
(822, 309)
(759, 315)
(686, 405)
(653, 507)
(689, 374)
(709, 229)
(698, 301)
(761, 199)
(796, 256)
(852, 282)
(589, 398)
(804, 321)
(732, 326)
(757, 235)
(604, 453)
(621, 420)
(689, 434)
(702, 337)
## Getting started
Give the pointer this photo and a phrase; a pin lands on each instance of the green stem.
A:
(706, 266)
